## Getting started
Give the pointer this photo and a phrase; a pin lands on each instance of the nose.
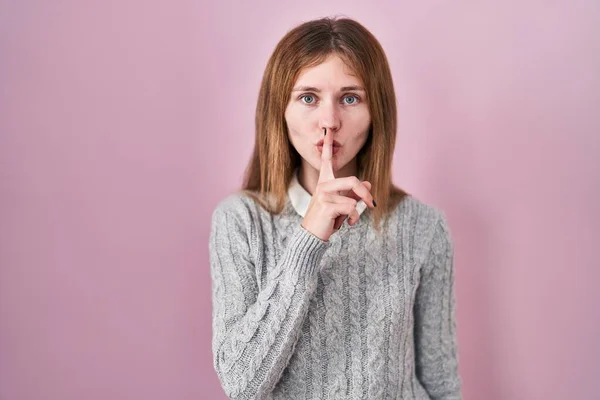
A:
(329, 117)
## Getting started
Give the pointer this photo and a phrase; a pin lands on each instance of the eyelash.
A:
(358, 99)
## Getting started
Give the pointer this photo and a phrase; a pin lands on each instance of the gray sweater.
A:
(366, 315)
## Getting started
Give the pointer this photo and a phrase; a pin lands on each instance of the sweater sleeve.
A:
(255, 331)
(436, 348)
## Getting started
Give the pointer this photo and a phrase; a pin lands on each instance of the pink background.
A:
(123, 123)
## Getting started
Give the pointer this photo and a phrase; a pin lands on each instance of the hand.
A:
(328, 208)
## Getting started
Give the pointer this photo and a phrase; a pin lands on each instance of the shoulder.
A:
(233, 222)
(239, 205)
(424, 225)
(236, 203)
(418, 213)
(241, 211)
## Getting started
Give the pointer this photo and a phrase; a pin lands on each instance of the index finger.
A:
(326, 172)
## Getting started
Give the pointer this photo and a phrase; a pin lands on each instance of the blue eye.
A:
(307, 96)
(353, 97)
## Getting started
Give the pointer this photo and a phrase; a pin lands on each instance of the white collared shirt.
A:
(300, 198)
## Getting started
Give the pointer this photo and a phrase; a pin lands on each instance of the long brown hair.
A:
(275, 160)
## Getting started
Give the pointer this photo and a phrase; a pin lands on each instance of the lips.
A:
(335, 143)
(334, 149)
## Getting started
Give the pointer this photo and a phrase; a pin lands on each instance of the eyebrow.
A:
(314, 89)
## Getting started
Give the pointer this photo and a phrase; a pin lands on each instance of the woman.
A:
(328, 281)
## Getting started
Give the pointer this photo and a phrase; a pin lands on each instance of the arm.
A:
(436, 347)
(255, 332)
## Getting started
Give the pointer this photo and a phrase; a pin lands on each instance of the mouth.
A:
(334, 149)
(335, 143)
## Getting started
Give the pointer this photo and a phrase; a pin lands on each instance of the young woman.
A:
(329, 282)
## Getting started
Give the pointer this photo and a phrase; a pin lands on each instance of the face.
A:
(330, 96)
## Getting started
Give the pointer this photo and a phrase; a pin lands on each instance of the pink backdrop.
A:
(123, 123)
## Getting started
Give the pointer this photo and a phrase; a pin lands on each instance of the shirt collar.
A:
(300, 198)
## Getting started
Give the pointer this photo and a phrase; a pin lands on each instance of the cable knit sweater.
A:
(365, 315)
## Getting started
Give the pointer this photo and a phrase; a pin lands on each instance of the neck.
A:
(308, 176)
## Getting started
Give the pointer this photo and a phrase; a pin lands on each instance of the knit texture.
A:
(365, 315)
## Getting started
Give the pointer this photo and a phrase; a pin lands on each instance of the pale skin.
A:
(319, 103)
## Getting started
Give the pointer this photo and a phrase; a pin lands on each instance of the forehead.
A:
(331, 72)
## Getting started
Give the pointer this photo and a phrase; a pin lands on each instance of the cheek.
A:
(361, 121)
(297, 122)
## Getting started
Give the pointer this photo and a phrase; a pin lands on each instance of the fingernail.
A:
(374, 203)
(324, 131)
